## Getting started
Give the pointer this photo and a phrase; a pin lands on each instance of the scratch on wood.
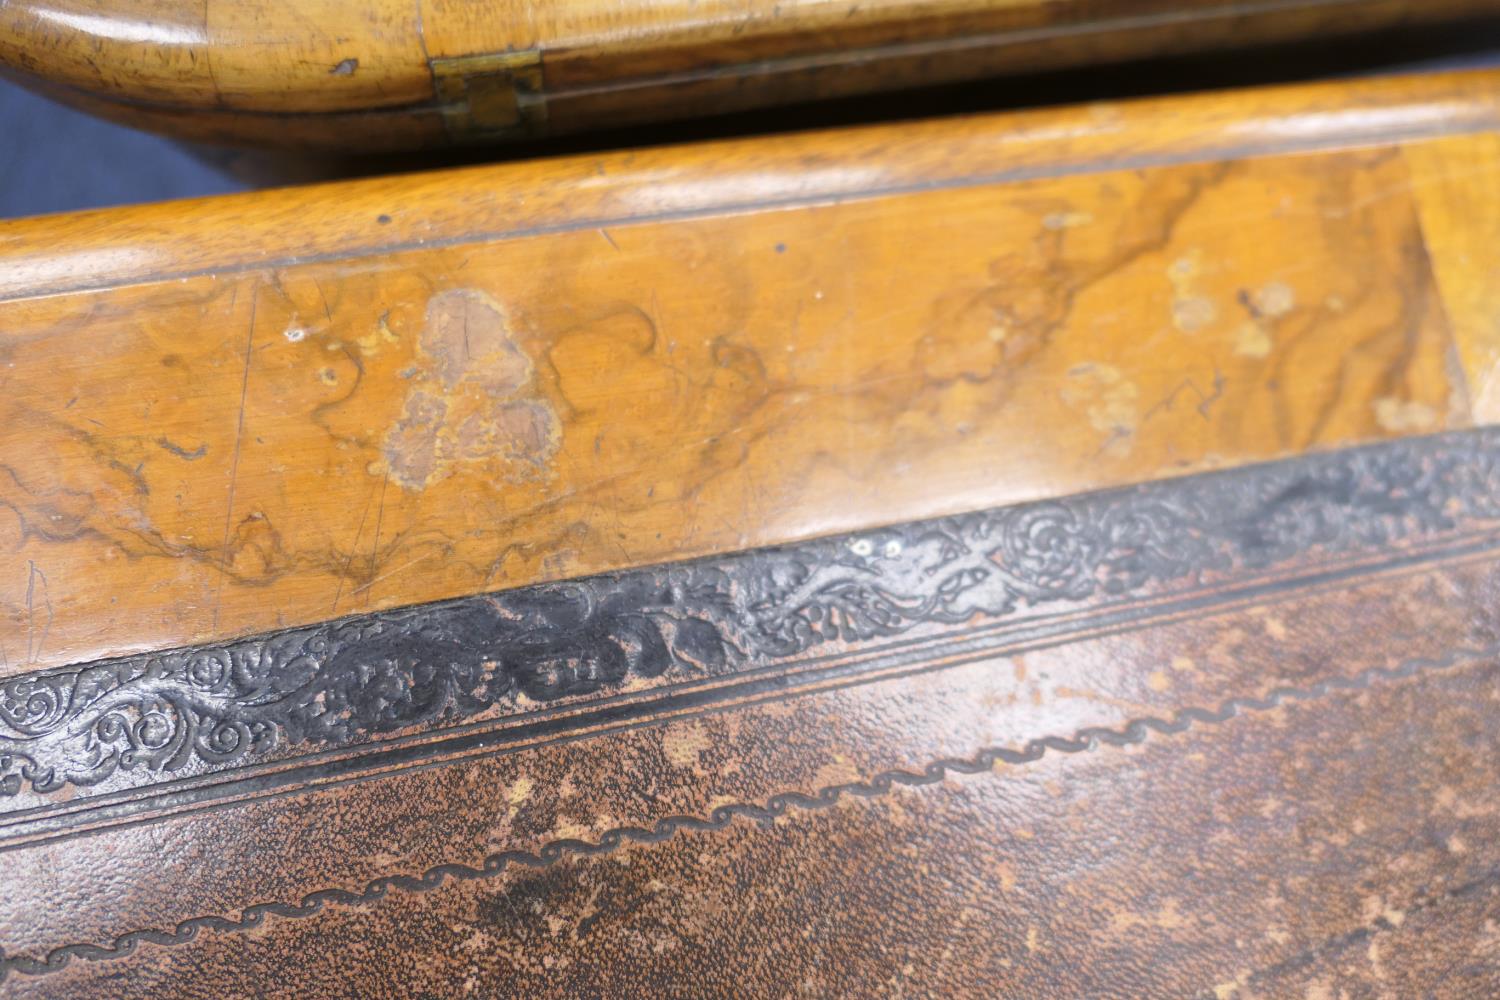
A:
(234, 462)
(375, 545)
(353, 547)
(34, 643)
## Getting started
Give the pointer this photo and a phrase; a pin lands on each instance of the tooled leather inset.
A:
(363, 677)
(1083, 741)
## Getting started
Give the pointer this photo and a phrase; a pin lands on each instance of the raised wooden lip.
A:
(56, 254)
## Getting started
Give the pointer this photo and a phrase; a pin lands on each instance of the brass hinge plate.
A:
(496, 96)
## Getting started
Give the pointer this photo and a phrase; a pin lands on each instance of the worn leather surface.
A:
(1237, 739)
(1253, 859)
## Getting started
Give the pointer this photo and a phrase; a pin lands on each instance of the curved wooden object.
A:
(1028, 554)
(394, 76)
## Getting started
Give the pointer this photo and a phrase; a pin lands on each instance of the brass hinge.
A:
(495, 96)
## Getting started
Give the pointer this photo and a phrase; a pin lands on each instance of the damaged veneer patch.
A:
(473, 400)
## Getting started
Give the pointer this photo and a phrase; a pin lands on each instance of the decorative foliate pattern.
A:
(355, 679)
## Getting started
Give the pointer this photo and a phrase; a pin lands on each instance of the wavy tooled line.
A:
(1083, 741)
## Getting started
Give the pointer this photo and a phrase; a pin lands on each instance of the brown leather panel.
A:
(1209, 863)
(1229, 778)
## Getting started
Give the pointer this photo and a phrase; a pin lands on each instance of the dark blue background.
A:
(54, 159)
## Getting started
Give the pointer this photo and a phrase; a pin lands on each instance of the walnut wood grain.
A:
(403, 75)
(196, 446)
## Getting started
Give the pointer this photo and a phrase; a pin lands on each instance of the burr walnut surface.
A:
(201, 437)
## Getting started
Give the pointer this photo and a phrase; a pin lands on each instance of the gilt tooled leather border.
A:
(362, 679)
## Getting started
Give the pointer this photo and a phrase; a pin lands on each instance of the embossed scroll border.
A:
(366, 678)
